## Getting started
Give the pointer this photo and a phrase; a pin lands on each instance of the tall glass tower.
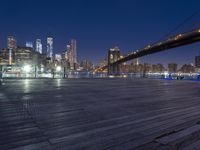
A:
(39, 46)
(29, 44)
(50, 47)
(11, 43)
(73, 49)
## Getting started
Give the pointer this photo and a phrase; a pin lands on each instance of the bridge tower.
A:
(113, 55)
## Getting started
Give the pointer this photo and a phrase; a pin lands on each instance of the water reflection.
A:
(26, 85)
(58, 82)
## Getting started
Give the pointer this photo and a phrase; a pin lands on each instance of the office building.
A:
(86, 65)
(50, 47)
(29, 44)
(187, 68)
(11, 43)
(73, 51)
(38, 46)
(172, 68)
(70, 55)
(58, 57)
(197, 61)
(135, 62)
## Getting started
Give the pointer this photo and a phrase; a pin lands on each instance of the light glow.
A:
(27, 68)
(58, 68)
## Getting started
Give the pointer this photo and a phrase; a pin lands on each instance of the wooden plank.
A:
(193, 146)
(94, 114)
(181, 138)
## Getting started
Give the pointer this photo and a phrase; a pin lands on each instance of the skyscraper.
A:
(29, 44)
(11, 45)
(68, 56)
(39, 46)
(172, 67)
(71, 54)
(50, 47)
(73, 49)
(58, 57)
(197, 61)
(135, 62)
(11, 42)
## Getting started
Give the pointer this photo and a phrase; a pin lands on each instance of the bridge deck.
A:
(99, 114)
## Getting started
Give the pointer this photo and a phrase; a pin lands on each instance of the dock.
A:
(98, 114)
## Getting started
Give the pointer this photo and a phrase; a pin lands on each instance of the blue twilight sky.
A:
(100, 24)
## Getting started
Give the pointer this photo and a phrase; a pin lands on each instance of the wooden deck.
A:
(97, 114)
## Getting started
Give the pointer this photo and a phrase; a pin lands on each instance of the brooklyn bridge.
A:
(178, 40)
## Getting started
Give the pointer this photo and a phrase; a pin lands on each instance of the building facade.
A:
(86, 65)
(21, 56)
(11, 43)
(187, 68)
(197, 61)
(73, 50)
(70, 55)
(135, 62)
(38, 47)
(29, 44)
(50, 47)
(172, 68)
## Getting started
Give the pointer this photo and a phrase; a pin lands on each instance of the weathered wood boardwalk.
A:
(97, 114)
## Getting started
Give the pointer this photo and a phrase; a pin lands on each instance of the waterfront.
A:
(90, 74)
(97, 113)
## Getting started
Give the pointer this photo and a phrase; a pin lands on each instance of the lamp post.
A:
(1, 74)
(64, 70)
(35, 70)
(53, 72)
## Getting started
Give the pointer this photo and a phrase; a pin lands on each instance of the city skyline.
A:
(71, 50)
(99, 74)
(111, 24)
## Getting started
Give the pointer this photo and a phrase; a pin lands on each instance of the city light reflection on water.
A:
(58, 81)
(26, 85)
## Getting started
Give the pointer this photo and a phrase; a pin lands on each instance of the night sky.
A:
(100, 24)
